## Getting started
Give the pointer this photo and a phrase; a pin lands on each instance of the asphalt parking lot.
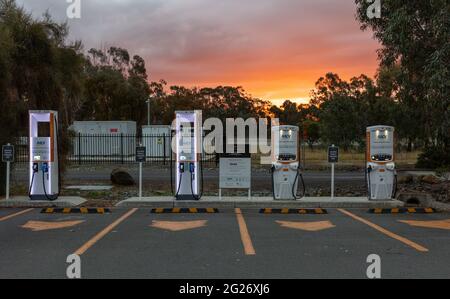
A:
(232, 244)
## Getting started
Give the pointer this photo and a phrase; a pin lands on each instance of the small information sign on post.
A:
(333, 154)
(8, 153)
(141, 157)
(333, 158)
(8, 158)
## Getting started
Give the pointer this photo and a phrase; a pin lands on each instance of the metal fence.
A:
(88, 149)
(92, 149)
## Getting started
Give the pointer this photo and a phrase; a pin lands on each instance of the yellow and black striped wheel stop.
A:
(403, 211)
(294, 211)
(185, 211)
(75, 211)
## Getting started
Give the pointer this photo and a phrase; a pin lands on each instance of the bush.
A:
(434, 158)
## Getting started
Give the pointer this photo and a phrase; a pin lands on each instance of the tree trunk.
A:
(409, 149)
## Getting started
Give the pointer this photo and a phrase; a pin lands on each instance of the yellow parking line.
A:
(245, 236)
(15, 215)
(385, 231)
(104, 232)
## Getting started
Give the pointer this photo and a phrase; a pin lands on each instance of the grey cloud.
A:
(207, 39)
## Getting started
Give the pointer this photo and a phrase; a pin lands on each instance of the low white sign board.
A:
(235, 173)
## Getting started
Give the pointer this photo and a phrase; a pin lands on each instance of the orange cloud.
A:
(275, 49)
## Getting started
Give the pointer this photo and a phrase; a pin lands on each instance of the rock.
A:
(430, 179)
(121, 177)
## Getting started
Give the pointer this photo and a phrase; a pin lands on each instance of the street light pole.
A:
(148, 111)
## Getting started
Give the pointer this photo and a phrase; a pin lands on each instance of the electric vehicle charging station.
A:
(188, 149)
(381, 172)
(44, 155)
(286, 170)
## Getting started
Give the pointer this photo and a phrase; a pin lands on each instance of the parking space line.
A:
(437, 224)
(245, 236)
(382, 230)
(15, 215)
(104, 232)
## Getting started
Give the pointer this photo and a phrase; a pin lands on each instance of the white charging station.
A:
(188, 148)
(44, 156)
(286, 170)
(381, 171)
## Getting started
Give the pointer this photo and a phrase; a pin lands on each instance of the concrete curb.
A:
(75, 211)
(426, 200)
(403, 211)
(185, 211)
(25, 202)
(294, 211)
(440, 206)
(258, 203)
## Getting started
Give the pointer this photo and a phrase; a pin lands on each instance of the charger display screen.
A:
(43, 129)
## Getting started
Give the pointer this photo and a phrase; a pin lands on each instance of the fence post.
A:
(171, 150)
(121, 148)
(79, 148)
(303, 154)
(165, 148)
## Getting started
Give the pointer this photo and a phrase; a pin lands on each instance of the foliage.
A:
(221, 102)
(415, 39)
(115, 87)
(39, 70)
(434, 157)
(344, 109)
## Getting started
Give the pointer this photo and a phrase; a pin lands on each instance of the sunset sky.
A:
(275, 49)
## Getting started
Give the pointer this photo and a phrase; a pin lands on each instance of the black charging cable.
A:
(35, 170)
(369, 184)
(272, 170)
(297, 176)
(181, 169)
(192, 171)
(49, 197)
(395, 187)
